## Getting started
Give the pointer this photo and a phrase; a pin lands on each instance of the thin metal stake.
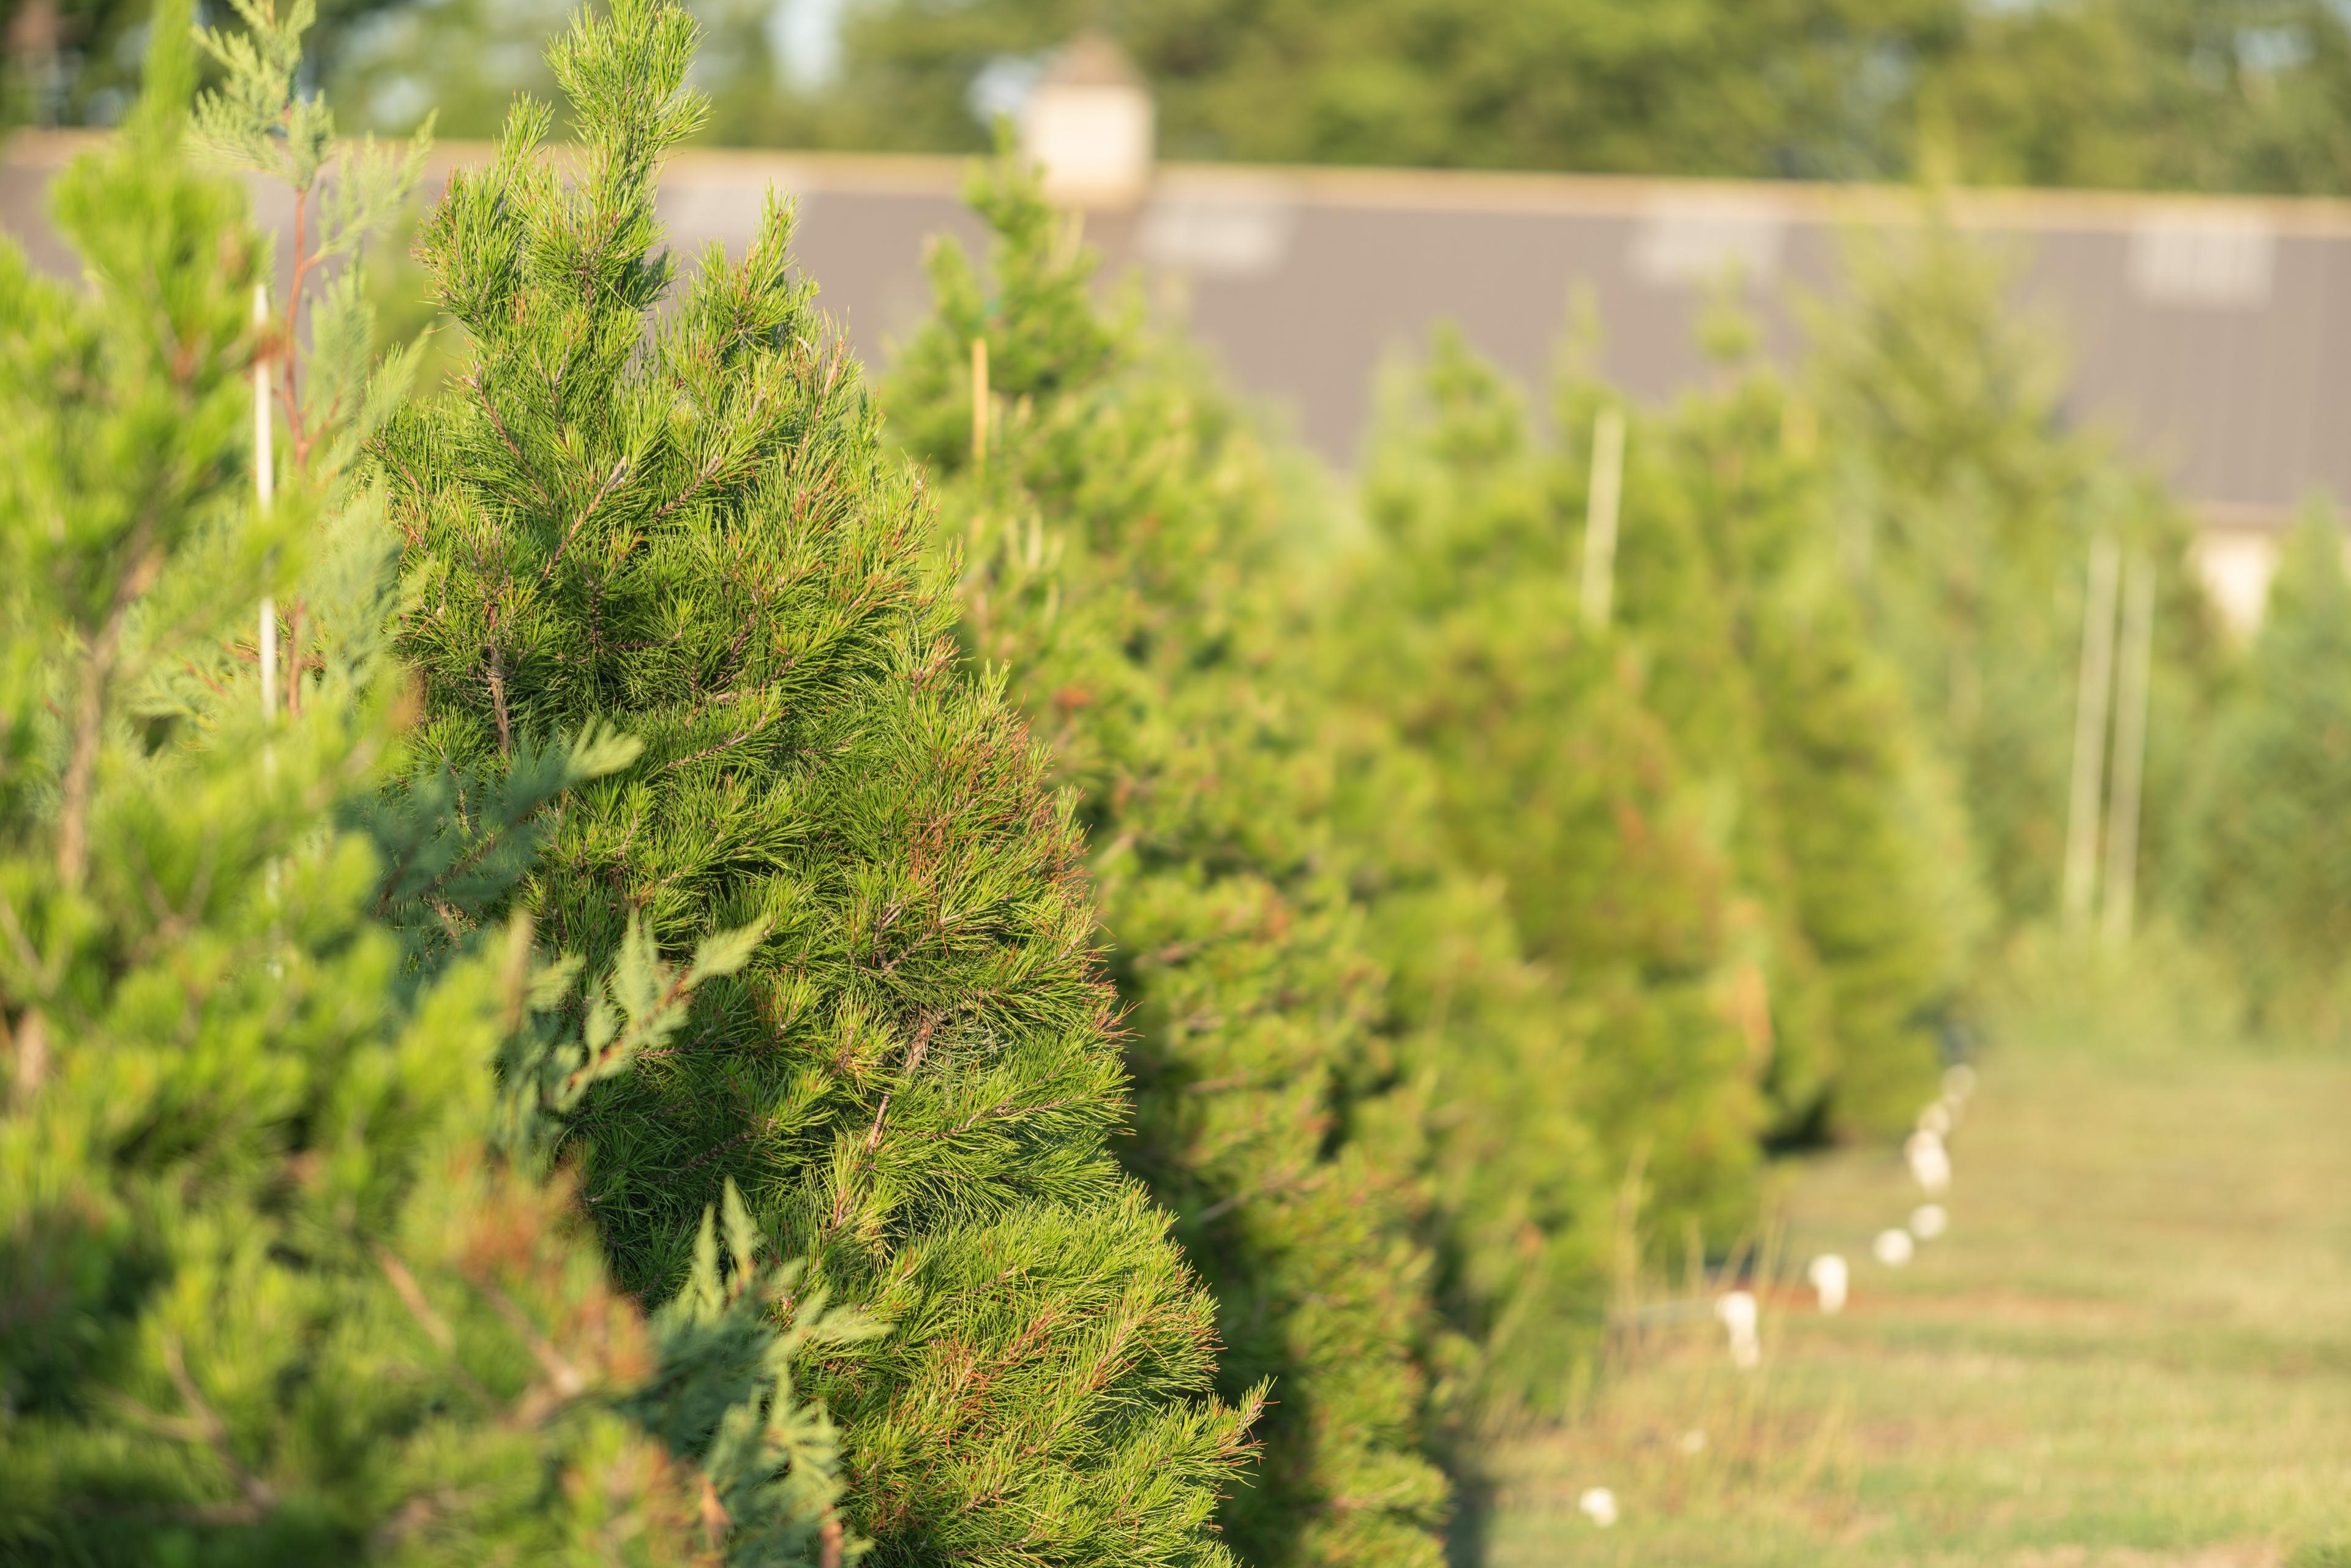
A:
(1601, 506)
(2091, 702)
(264, 483)
(979, 403)
(2118, 909)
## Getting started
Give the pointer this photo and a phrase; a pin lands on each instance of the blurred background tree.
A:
(1556, 777)
(1968, 520)
(2208, 94)
(2270, 878)
(2251, 95)
(77, 62)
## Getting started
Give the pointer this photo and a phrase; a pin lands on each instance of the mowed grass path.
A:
(2131, 1349)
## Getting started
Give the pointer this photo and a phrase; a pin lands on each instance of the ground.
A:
(2131, 1349)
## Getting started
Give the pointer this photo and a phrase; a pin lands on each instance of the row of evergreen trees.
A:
(292, 1272)
(758, 971)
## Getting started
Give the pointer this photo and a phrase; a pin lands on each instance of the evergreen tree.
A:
(1556, 776)
(1121, 528)
(289, 1280)
(2271, 880)
(1969, 510)
(1728, 570)
(1493, 1098)
(684, 522)
(1674, 602)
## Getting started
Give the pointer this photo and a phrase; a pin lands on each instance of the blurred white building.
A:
(1088, 124)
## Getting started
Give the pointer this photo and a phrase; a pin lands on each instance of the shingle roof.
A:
(2212, 335)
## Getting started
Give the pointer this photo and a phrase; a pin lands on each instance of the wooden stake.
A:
(264, 485)
(2092, 700)
(2119, 908)
(979, 403)
(1604, 498)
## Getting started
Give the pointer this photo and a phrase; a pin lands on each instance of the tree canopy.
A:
(2191, 94)
(2251, 94)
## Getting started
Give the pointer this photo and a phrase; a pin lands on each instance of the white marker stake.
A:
(1894, 1248)
(1598, 1505)
(1931, 1163)
(1600, 508)
(2130, 756)
(1737, 1308)
(265, 486)
(1930, 1221)
(1830, 1277)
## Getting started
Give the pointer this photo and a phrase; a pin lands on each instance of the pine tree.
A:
(1556, 776)
(684, 522)
(1728, 572)
(1492, 1104)
(1674, 604)
(1970, 509)
(289, 1280)
(1121, 528)
(2272, 881)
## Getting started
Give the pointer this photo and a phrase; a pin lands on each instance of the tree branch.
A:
(258, 1496)
(90, 709)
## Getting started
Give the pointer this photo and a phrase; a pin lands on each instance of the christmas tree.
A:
(1729, 575)
(1491, 1106)
(291, 1278)
(1121, 529)
(681, 521)
(1555, 775)
(2271, 879)
(1673, 605)
(1969, 515)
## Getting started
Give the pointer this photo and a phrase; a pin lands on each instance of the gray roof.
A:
(2212, 335)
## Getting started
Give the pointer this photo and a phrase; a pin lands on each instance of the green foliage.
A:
(1716, 824)
(1556, 777)
(1848, 846)
(1122, 531)
(345, 195)
(2244, 95)
(1778, 87)
(1968, 514)
(2272, 877)
(1690, 607)
(684, 521)
(2203, 94)
(77, 62)
(1494, 1105)
(289, 1278)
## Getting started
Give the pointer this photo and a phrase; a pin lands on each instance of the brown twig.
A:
(498, 700)
(500, 426)
(619, 471)
(563, 1379)
(258, 1497)
(914, 1060)
(294, 660)
(90, 711)
(436, 1327)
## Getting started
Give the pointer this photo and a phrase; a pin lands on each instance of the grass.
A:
(2132, 1350)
